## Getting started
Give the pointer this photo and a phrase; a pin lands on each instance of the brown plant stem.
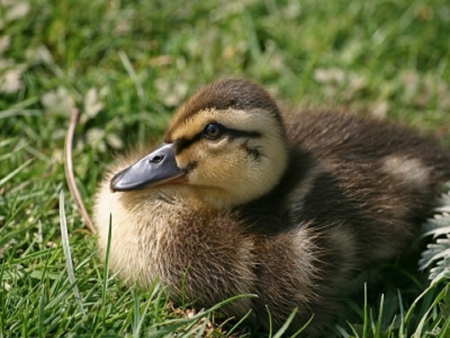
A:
(70, 177)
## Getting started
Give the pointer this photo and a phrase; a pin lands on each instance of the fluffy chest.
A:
(163, 238)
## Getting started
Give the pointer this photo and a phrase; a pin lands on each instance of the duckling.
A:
(242, 199)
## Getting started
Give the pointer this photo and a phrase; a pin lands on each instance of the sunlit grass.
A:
(126, 65)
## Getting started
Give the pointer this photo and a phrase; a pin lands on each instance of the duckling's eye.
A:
(213, 131)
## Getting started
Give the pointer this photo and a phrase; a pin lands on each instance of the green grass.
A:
(127, 65)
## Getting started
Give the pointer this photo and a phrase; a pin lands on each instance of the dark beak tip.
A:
(117, 182)
(112, 186)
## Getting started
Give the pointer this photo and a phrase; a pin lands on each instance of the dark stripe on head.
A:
(232, 93)
(235, 133)
(183, 144)
(222, 95)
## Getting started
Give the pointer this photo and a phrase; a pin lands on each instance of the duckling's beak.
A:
(154, 169)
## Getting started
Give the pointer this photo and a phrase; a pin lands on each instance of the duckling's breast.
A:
(160, 235)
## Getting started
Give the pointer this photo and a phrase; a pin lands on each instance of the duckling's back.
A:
(381, 178)
(358, 190)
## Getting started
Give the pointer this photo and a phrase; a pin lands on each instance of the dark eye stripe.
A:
(235, 133)
(183, 144)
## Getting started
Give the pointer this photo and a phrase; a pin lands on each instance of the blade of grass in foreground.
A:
(138, 316)
(67, 254)
(421, 326)
(14, 172)
(106, 275)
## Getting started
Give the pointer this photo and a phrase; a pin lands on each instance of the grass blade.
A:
(286, 324)
(14, 172)
(132, 74)
(67, 253)
(106, 273)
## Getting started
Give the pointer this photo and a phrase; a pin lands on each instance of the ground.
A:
(126, 65)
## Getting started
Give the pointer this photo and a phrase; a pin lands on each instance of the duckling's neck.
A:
(278, 209)
(212, 198)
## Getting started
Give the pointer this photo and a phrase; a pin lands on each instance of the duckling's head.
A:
(226, 146)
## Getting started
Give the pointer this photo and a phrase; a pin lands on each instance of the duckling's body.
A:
(289, 211)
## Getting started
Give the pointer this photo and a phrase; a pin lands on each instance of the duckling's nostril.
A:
(157, 159)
